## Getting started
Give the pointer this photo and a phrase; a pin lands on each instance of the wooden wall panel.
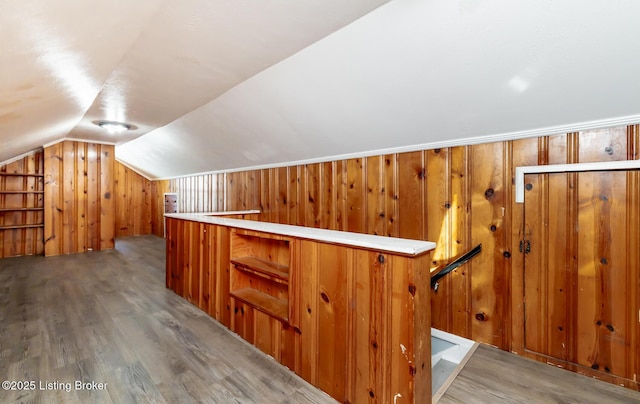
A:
(133, 202)
(202, 193)
(314, 181)
(489, 270)
(457, 197)
(460, 288)
(438, 203)
(603, 145)
(308, 306)
(281, 188)
(633, 246)
(602, 286)
(158, 189)
(580, 298)
(411, 195)
(356, 196)
(375, 219)
(105, 164)
(368, 329)
(390, 192)
(333, 318)
(293, 195)
(93, 195)
(222, 307)
(69, 201)
(355, 322)
(244, 190)
(22, 206)
(528, 152)
(329, 201)
(265, 180)
(79, 199)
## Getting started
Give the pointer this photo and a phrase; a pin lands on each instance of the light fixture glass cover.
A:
(114, 126)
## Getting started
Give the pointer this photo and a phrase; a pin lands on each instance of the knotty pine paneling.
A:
(439, 211)
(158, 189)
(490, 270)
(79, 198)
(20, 209)
(355, 316)
(198, 193)
(580, 298)
(133, 202)
(457, 197)
(243, 190)
(580, 295)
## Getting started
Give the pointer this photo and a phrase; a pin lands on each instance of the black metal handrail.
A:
(443, 270)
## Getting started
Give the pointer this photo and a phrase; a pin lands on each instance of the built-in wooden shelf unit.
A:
(260, 268)
(21, 199)
(350, 313)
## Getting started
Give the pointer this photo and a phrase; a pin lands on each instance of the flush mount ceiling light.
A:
(114, 126)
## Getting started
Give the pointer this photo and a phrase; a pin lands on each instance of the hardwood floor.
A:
(495, 376)
(106, 317)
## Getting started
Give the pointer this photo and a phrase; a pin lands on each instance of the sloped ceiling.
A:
(224, 85)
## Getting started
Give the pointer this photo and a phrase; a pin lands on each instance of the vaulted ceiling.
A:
(215, 85)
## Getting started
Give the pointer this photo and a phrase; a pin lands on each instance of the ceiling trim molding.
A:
(547, 131)
(71, 139)
(20, 157)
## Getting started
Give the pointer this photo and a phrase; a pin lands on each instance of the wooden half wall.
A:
(79, 201)
(458, 197)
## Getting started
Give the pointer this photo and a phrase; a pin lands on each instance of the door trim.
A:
(566, 168)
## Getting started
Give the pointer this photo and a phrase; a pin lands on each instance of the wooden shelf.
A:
(21, 226)
(22, 175)
(259, 275)
(263, 268)
(20, 209)
(261, 301)
(21, 192)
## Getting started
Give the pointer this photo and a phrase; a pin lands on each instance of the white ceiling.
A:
(219, 85)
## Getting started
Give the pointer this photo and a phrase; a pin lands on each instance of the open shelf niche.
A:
(21, 201)
(260, 271)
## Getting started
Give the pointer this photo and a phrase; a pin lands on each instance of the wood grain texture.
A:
(79, 198)
(133, 203)
(580, 288)
(22, 206)
(158, 189)
(494, 376)
(73, 317)
(458, 197)
(105, 164)
(341, 317)
(582, 310)
(529, 152)
(441, 211)
(333, 319)
(489, 271)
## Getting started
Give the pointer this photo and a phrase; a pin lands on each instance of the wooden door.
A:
(581, 258)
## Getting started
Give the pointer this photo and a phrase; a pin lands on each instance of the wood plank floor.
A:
(107, 317)
(495, 376)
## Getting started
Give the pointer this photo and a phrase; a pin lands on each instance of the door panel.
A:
(581, 276)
